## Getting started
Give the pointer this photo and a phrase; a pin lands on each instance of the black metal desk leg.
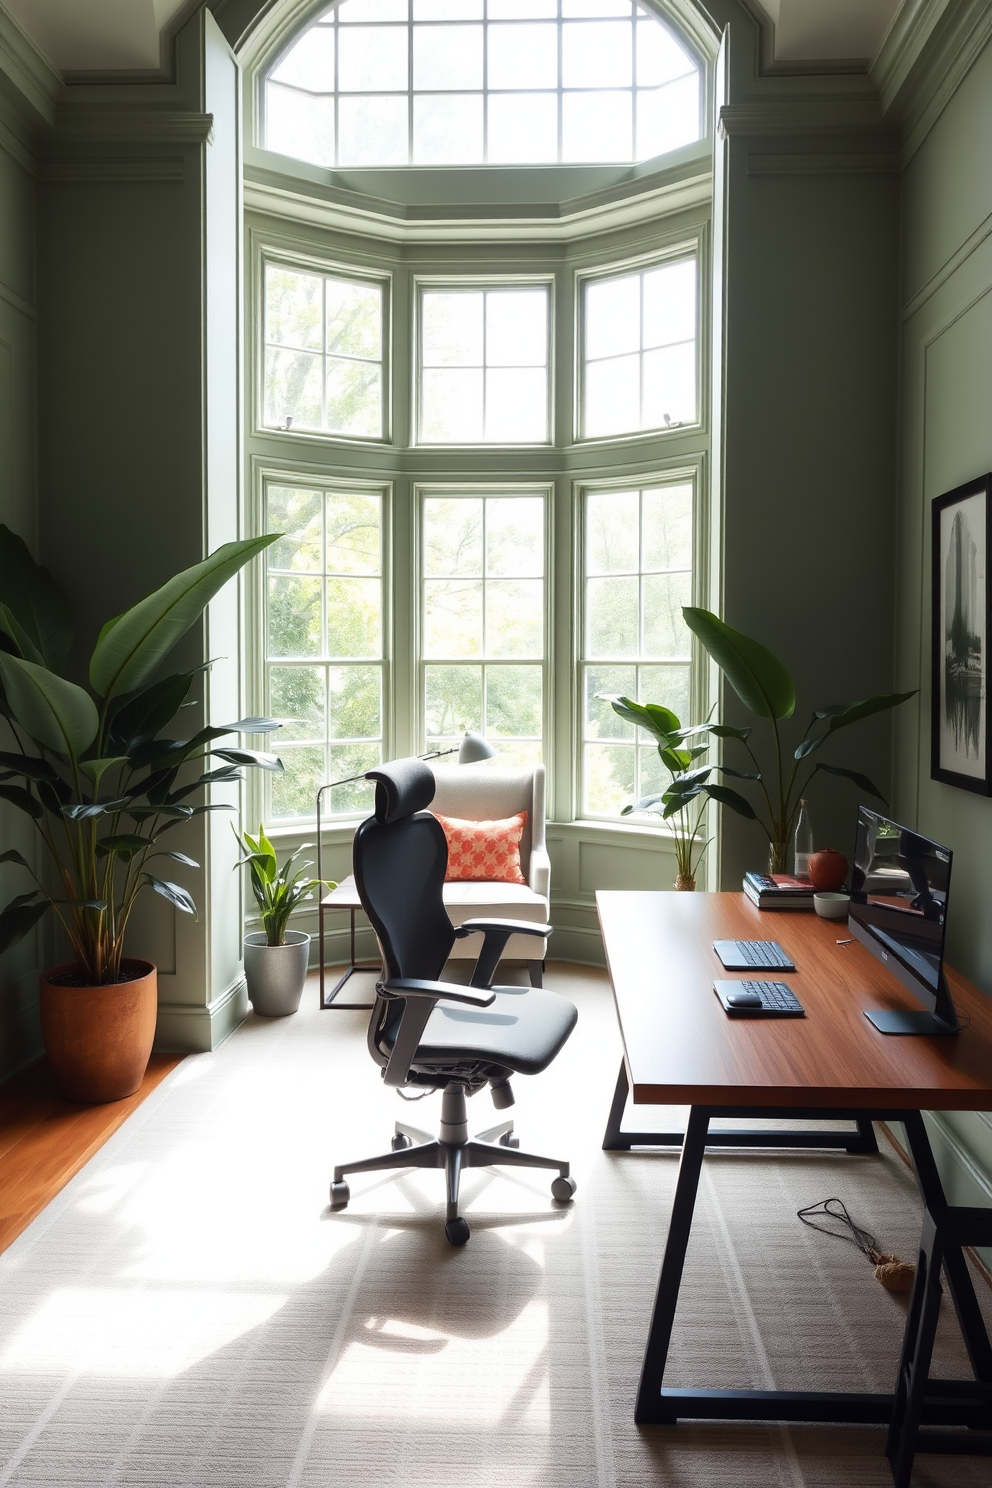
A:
(612, 1140)
(650, 1406)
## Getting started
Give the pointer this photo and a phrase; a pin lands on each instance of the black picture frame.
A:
(961, 567)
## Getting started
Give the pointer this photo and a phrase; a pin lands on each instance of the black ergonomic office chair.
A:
(440, 1035)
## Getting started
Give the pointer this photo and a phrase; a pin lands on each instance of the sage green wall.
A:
(946, 440)
(19, 1035)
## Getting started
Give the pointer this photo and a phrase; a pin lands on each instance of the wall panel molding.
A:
(869, 163)
(16, 302)
(948, 269)
(121, 171)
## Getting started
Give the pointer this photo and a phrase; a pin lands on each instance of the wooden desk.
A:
(680, 1048)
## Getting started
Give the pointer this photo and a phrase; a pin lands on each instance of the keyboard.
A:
(742, 955)
(777, 1000)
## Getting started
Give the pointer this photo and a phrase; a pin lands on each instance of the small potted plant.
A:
(276, 959)
(88, 768)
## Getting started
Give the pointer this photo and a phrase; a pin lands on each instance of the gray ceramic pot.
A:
(276, 974)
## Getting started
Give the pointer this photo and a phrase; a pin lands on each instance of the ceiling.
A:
(109, 35)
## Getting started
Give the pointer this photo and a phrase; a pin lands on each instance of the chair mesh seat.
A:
(499, 1035)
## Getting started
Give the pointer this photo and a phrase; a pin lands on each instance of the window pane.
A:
(355, 702)
(596, 126)
(354, 398)
(373, 59)
(353, 535)
(517, 328)
(669, 304)
(608, 778)
(612, 532)
(352, 759)
(447, 10)
(667, 685)
(612, 315)
(611, 617)
(297, 514)
(452, 536)
(452, 329)
(294, 789)
(511, 10)
(354, 318)
(600, 720)
(294, 616)
(596, 54)
(513, 702)
(517, 405)
(523, 128)
(296, 696)
(354, 617)
(523, 57)
(514, 535)
(309, 63)
(612, 396)
(373, 131)
(299, 125)
(447, 129)
(453, 701)
(372, 10)
(514, 617)
(452, 405)
(669, 386)
(595, 8)
(293, 308)
(665, 632)
(452, 617)
(668, 528)
(447, 57)
(660, 59)
(292, 388)
(667, 117)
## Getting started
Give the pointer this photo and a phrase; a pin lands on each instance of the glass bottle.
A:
(802, 842)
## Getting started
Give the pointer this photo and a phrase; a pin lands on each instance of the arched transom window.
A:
(482, 82)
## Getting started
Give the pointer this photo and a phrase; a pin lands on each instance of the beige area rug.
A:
(189, 1312)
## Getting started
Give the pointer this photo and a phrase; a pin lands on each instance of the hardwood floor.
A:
(45, 1140)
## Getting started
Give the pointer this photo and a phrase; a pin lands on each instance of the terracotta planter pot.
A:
(99, 1039)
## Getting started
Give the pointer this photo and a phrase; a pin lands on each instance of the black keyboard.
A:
(777, 999)
(763, 953)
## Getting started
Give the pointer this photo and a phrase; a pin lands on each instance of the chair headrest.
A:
(401, 788)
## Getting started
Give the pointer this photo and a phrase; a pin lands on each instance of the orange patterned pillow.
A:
(484, 849)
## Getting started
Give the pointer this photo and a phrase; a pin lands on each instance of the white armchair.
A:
(489, 793)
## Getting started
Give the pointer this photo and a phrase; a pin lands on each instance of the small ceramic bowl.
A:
(831, 906)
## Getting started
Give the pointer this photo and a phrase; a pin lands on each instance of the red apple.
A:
(827, 869)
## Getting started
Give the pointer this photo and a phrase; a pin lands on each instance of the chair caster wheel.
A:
(509, 1140)
(456, 1231)
(563, 1189)
(340, 1194)
(400, 1142)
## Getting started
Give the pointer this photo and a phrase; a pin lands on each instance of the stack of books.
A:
(778, 891)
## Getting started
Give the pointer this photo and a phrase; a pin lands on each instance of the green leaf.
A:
(168, 813)
(122, 844)
(34, 612)
(651, 716)
(178, 857)
(757, 676)
(13, 856)
(89, 810)
(175, 893)
(140, 718)
(724, 731)
(843, 714)
(252, 757)
(727, 797)
(807, 747)
(32, 767)
(861, 781)
(20, 917)
(57, 713)
(22, 799)
(97, 768)
(127, 655)
(96, 904)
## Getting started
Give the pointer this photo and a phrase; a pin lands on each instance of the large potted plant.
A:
(276, 959)
(766, 687)
(103, 790)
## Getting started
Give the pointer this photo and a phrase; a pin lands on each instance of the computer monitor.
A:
(899, 898)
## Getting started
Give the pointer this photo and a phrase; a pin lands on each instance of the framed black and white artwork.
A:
(959, 700)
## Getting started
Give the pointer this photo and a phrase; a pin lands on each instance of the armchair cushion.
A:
(488, 850)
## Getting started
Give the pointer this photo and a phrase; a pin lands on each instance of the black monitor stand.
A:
(895, 1020)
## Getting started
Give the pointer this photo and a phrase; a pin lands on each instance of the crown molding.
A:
(89, 123)
(911, 29)
(31, 79)
(927, 54)
(794, 116)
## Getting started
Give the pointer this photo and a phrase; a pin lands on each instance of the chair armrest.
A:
(450, 991)
(421, 997)
(513, 927)
(495, 935)
(539, 876)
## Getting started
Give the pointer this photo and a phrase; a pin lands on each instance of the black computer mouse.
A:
(743, 1000)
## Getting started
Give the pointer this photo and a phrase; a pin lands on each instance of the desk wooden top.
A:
(681, 1048)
